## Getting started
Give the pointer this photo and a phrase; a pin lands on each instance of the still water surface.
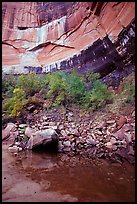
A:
(45, 177)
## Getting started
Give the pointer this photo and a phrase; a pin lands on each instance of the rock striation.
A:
(47, 36)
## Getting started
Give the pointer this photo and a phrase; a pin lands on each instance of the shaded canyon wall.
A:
(49, 36)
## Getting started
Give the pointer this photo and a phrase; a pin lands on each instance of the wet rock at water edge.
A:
(6, 132)
(15, 148)
(43, 138)
(29, 132)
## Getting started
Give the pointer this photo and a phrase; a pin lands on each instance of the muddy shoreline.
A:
(42, 177)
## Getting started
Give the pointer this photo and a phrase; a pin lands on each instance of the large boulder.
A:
(29, 132)
(43, 138)
(7, 133)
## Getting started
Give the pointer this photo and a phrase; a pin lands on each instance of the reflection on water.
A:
(37, 176)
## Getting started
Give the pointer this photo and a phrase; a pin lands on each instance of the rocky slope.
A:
(103, 134)
(46, 36)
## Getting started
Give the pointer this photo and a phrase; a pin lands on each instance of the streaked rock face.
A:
(47, 36)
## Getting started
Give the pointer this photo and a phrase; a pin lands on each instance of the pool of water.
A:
(47, 177)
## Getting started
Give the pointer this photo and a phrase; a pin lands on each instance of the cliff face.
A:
(46, 36)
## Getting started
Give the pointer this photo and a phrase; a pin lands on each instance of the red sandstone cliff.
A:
(43, 34)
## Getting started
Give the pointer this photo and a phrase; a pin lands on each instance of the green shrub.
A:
(98, 96)
(129, 92)
(91, 76)
(65, 88)
(75, 88)
(56, 88)
(127, 89)
(8, 85)
(15, 105)
(30, 83)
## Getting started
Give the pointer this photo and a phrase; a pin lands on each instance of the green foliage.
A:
(129, 92)
(15, 105)
(59, 88)
(56, 88)
(91, 76)
(124, 94)
(8, 85)
(98, 96)
(65, 88)
(43, 81)
(29, 83)
(75, 88)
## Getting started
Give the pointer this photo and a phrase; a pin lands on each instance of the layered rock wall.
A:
(47, 36)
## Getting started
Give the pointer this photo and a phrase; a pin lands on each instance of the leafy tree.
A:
(75, 87)
(29, 83)
(56, 87)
